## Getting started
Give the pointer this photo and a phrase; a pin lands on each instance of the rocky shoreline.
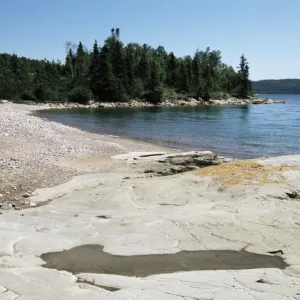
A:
(142, 222)
(37, 153)
(166, 103)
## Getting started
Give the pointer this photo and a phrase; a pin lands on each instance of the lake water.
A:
(233, 131)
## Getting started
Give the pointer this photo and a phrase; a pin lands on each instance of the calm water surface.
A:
(235, 131)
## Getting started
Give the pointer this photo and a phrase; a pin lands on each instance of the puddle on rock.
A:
(92, 259)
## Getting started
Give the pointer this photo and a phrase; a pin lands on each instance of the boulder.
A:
(169, 164)
(193, 158)
(268, 101)
(4, 101)
(218, 102)
(257, 101)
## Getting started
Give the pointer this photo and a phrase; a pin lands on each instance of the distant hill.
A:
(280, 86)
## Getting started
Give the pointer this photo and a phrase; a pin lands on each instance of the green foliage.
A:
(155, 96)
(118, 72)
(27, 95)
(80, 95)
(243, 83)
(220, 96)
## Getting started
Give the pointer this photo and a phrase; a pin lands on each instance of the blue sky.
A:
(266, 31)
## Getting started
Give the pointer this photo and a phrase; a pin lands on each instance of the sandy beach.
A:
(117, 219)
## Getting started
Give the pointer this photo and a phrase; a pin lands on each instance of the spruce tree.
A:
(144, 67)
(172, 71)
(243, 77)
(81, 66)
(70, 61)
(94, 71)
(196, 75)
(107, 83)
(155, 93)
(130, 66)
(184, 80)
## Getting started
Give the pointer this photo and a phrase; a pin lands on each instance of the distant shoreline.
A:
(166, 103)
(276, 86)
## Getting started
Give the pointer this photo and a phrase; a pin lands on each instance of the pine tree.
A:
(155, 93)
(94, 71)
(119, 65)
(70, 61)
(107, 82)
(81, 66)
(154, 81)
(19, 77)
(196, 74)
(144, 67)
(189, 70)
(243, 75)
(184, 80)
(172, 70)
(130, 66)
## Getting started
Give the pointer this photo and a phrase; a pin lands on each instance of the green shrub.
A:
(155, 96)
(27, 95)
(220, 96)
(80, 95)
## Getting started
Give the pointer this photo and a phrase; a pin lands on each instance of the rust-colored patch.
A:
(245, 172)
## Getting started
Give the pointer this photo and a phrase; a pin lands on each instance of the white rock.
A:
(158, 215)
(132, 155)
(6, 206)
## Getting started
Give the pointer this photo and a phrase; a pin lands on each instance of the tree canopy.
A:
(117, 72)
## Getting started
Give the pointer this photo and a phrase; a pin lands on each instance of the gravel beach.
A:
(37, 153)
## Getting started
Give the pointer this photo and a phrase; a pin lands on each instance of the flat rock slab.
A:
(217, 285)
(154, 216)
(162, 156)
(132, 155)
(288, 160)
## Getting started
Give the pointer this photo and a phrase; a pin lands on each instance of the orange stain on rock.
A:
(245, 172)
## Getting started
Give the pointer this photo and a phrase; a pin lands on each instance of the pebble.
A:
(26, 195)
(6, 206)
